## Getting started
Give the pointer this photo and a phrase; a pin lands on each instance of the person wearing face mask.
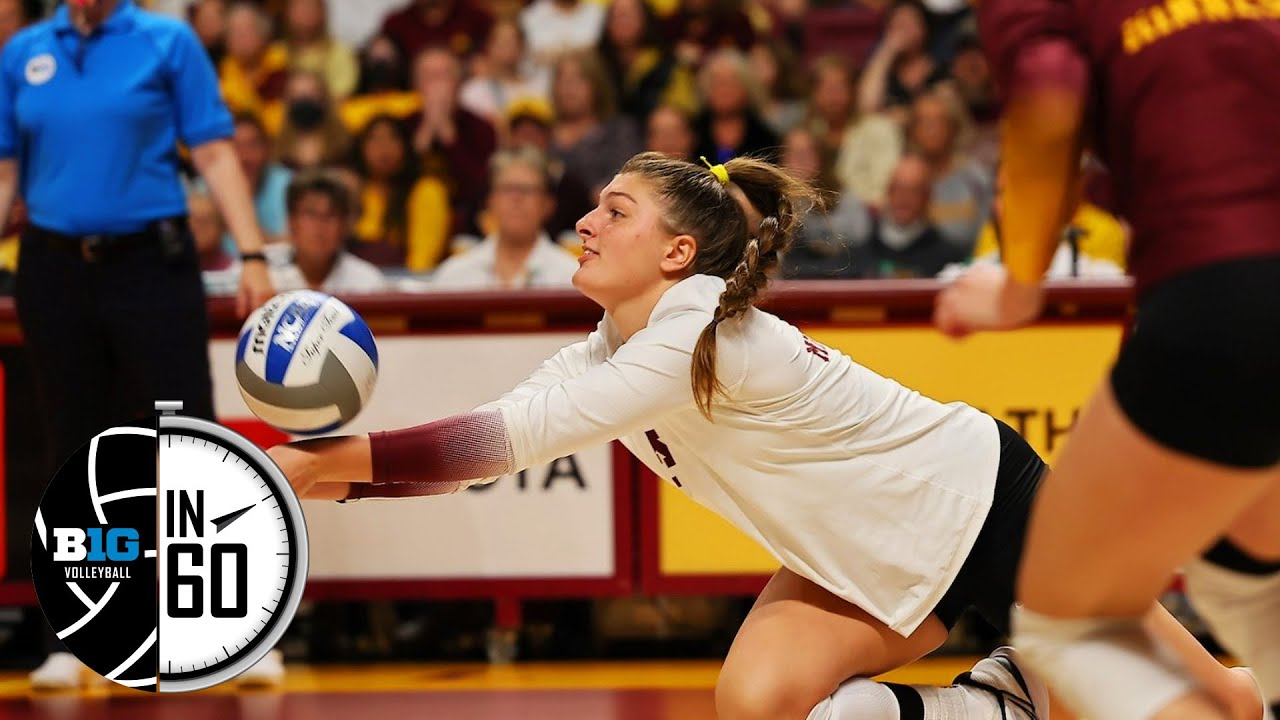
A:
(311, 134)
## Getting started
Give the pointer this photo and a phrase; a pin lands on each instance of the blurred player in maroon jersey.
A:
(1178, 454)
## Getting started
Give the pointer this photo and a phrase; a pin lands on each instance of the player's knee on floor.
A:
(769, 693)
(1104, 669)
(1239, 599)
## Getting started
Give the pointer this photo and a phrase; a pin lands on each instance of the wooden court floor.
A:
(522, 691)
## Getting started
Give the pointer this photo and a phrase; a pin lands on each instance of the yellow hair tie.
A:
(718, 170)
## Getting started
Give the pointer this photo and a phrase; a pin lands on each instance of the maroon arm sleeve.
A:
(438, 458)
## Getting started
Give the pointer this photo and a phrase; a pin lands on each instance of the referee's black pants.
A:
(109, 337)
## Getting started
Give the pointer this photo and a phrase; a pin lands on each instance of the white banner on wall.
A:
(551, 521)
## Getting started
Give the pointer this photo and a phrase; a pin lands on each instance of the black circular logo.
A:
(93, 555)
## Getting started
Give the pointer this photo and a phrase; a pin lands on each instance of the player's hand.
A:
(255, 288)
(986, 297)
(315, 467)
(299, 465)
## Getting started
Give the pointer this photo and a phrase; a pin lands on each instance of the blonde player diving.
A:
(889, 512)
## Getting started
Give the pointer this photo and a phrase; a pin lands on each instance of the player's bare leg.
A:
(798, 649)
(1114, 519)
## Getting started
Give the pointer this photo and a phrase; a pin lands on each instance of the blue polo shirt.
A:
(95, 121)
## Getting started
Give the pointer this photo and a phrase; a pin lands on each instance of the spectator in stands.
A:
(519, 253)
(312, 135)
(670, 132)
(504, 76)
(731, 125)
(453, 143)
(971, 79)
(254, 71)
(701, 27)
(402, 221)
(831, 108)
(825, 242)
(268, 180)
(529, 124)
(457, 25)
(901, 67)
(775, 67)
(938, 131)
(644, 72)
(209, 19)
(219, 268)
(309, 46)
(382, 68)
(904, 243)
(588, 136)
(320, 209)
(555, 27)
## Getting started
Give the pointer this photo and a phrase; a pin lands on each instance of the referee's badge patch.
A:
(40, 69)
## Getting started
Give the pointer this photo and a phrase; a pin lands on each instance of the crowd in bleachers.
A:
(454, 143)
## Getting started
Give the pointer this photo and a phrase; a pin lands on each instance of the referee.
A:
(93, 105)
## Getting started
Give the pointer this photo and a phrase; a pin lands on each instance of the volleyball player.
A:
(889, 512)
(1177, 456)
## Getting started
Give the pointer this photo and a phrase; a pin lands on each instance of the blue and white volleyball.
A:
(306, 363)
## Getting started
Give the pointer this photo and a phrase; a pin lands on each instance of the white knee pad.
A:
(1103, 669)
(1243, 611)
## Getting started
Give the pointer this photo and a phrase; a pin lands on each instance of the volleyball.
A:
(306, 363)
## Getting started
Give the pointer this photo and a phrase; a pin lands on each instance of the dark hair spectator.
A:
(776, 68)
(402, 220)
(641, 68)
(901, 66)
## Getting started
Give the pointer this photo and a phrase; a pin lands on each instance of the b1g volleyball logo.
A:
(169, 557)
(93, 555)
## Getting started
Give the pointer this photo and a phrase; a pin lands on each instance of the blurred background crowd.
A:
(453, 144)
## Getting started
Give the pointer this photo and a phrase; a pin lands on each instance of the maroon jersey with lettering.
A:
(1186, 100)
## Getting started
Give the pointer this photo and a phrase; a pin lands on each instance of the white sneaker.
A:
(267, 672)
(1019, 694)
(59, 671)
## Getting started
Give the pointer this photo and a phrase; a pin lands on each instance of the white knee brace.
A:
(1103, 669)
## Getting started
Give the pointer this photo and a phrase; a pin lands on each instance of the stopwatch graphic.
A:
(170, 557)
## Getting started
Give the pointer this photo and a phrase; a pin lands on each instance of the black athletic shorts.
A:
(1200, 373)
(988, 578)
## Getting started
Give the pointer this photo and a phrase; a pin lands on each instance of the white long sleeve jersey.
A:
(849, 479)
